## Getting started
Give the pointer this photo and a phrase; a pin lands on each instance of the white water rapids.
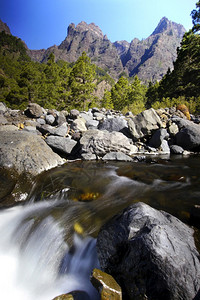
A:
(31, 256)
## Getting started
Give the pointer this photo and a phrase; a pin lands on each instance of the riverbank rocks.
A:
(107, 134)
(144, 124)
(101, 142)
(26, 152)
(188, 136)
(151, 254)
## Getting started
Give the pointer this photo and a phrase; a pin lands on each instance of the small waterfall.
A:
(36, 261)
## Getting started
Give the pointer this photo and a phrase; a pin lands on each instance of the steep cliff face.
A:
(151, 58)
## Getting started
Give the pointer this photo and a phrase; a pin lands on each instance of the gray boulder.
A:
(118, 156)
(87, 116)
(92, 124)
(79, 125)
(50, 119)
(158, 137)
(60, 118)
(34, 110)
(101, 142)
(114, 124)
(26, 152)
(174, 149)
(74, 113)
(164, 147)
(3, 120)
(144, 124)
(151, 254)
(189, 136)
(59, 131)
(61, 144)
(3, 107)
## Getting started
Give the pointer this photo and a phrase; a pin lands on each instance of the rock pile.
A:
(102, 134)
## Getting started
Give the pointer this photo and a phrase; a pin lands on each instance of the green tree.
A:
(107, 100)
(136, 97)
(120, 93)
(196, 18)
(81, 82)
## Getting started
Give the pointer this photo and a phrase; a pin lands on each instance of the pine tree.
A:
(107, 100)
(196, 18)
(120, 93)
(81, 82)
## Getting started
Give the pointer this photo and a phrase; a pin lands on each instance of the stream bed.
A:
(48, 240)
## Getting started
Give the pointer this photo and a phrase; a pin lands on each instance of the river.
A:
(48, 241)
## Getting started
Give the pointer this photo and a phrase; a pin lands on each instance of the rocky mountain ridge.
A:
(149, 58)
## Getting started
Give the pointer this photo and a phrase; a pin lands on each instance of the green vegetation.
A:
(53, 84)
(61, 85)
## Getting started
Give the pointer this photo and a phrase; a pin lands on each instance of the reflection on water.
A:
(50, 241)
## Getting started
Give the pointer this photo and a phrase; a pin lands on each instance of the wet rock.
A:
(75, 295)
(174, 149)
(151, 254)
(143, 124)
(164, 147)
(101, 142)
(106, 285)
(34, 110)
(173, 129)
(158, 137)
(118, 156)
(189, 136)
(61, 144)
(26, 152)
(195, 216)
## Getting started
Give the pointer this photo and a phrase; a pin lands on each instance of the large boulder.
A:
(118, 124)
(61, 130)
(26, 152)
(189, 135)
(101, 142)
(143, 124)
(34, 110)
(61, 144)
(151, 254)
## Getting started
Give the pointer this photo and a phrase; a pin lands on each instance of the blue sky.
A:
(42, 23)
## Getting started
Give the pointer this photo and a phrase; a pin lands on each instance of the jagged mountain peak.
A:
(4, 27)
(84, 27)
(166, 25)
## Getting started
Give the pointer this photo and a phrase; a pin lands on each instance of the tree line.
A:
(62, 85)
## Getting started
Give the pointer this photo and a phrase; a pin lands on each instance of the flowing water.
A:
(48, 242)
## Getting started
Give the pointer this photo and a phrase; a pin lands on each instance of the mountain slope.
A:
(151, 58)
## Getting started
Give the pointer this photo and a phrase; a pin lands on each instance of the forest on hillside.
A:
(63, 86)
